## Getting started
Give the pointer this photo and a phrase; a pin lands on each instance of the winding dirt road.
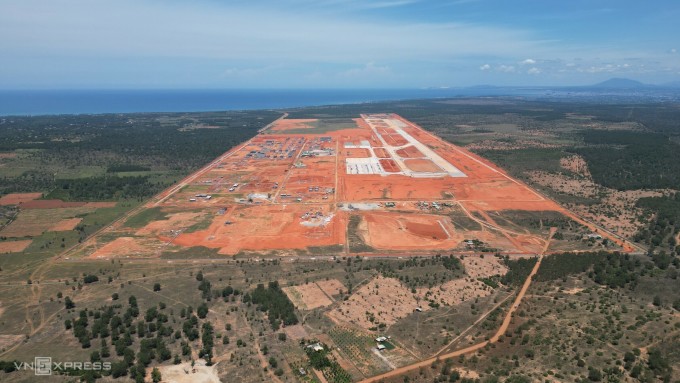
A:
(467, 350)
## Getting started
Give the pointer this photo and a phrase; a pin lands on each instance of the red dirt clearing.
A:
(412, 231)
(66, 224)
(18, 198)
(14, 246)
(292, 124)
(381, 153)
(395, 139)
(428, 230)
(389, 166)
(422, 165)
(357, 153)
(50, 204)
(410, 152)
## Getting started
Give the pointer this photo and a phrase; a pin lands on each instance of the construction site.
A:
(373, 185)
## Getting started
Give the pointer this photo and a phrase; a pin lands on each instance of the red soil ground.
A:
(66, 224)
(395, 139)
(410, 152)
(422, 165)
(390, 166)
(283, 125)
(50, 204)
(393, 231)
(267, 227)
(381, 153)
(14, 246)
(18, 198)
(356, 153)
(276, 223)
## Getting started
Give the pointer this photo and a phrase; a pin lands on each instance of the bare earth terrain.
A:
(281, 190)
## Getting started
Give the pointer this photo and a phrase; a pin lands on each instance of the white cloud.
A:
(506, 69)
(528, 62)
(534, 70)
(485, 67)
(207, 30)
(673, 50)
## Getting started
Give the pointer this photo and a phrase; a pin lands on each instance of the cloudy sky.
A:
(334, 43)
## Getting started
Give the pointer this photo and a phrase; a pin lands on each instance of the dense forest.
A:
(82, 154)
(627, 160)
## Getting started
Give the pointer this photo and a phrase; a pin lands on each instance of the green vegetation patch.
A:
(627, 160)
(202, 224)
(195, 252)
(146, 216)
(518, 270)
(105, 188)
(276, 303)
(423, 271)
(664, 222)
(116, 168)
(356, 242)
(462, 221)
(523, 160)
(536, 221)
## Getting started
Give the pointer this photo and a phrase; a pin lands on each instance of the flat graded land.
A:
(281, 191)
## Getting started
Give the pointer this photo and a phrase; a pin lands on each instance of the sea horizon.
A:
(104, 101)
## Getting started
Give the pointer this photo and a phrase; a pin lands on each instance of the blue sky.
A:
(68, 44)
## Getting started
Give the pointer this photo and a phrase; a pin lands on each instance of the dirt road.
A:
(501, 330)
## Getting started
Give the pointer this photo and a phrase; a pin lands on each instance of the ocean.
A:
(47, 102)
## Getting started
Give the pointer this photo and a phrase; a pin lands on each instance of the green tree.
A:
(156, 375)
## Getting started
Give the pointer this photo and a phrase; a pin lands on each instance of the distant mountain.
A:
(672, 84)
(620, 83)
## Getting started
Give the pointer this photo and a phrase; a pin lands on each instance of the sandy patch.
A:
(293, 124)
(383, 300)
(386, 300)
(122, 247)
(183, 373)
(173, 222)
(99, 205)
(307, 297)
(616, 209)
(483, 267)
(296, 332)
(331, 287)
(456, 291)
(7, 341)
(66, 224)
(575, 164)
(18, 198)
(14, 246)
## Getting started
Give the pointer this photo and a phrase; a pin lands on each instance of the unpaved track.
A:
(501, 330)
